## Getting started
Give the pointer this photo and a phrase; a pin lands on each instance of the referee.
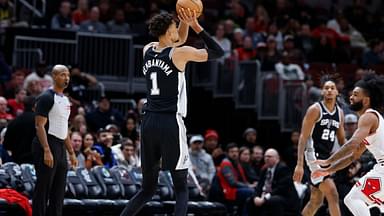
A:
(50, 160)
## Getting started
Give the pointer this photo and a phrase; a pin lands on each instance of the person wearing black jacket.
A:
(275, 193)
(20, 145)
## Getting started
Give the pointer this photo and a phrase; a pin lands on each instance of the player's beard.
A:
(356, 106)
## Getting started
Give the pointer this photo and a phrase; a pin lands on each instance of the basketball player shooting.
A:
(366, 100)
(163, 130)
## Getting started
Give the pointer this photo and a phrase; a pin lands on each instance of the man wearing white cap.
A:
(350, 125)
(202, 162)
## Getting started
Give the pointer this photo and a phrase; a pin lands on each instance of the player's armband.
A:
(214, 49)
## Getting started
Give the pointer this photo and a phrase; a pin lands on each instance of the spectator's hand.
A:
(320, 172)
(48, 158)
(259, 201)
(73, 159)
(298, 173)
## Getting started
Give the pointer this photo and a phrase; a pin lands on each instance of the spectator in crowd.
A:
(130, 130)
(257, 159)
(245, 162)
(134, 12)
(16, 82)
(130, 158)
(16, 105)
(80, 82)
(304, 39)
(103, 115)
(224, 42)
(92, 157)
(246, 52)
(250, 137)
(274, 31)
(93, 24)
(275, 193)
(118, 24)
(350, 125)
(313, 92)
(77, 142)
(272, 55)
(290, 47)
(6, 15)
(256, 37)
(288, 70)
(212, 147)
(202, 162)
(238, 38)
(40, 75)
(81, 13)
(229, 28)
(3, 109)
(372, 56)
(105, 11)
(79, 124)
(232, 177)
(261, 19)
(63, 19)
(34, 88)
(20, 145)
(342, 26)
(289, 152)
(103, 147)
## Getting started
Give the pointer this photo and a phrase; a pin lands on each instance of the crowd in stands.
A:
(285, 36)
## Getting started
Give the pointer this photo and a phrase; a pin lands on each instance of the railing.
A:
(27, 58)
(268, 91)
(224, 77)
(246, 83)
(123, 105)
(293, 104)
(54, 51)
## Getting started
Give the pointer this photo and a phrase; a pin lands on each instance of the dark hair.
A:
(29, 103)
(230, 146)
(373, 86)
(127, 142)
(334, 77)
(160, 23)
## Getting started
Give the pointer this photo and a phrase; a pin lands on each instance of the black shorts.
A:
(164, 137)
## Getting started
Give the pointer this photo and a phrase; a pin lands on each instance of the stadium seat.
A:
(28, 174)
(14, 171)
(126, 180)
(111, 186)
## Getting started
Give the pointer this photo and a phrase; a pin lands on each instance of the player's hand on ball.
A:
(187, 15)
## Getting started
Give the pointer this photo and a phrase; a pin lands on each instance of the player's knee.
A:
(316, 202)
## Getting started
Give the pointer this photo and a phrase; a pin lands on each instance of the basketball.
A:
(196, 5)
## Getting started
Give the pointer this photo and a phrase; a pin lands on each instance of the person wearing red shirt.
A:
(246, 52)
(3, 109)
(16, 104)
(81, 13)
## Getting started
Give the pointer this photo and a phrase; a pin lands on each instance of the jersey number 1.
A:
(155, 89)
(328, 135)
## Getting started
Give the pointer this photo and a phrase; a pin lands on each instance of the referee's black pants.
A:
(48, 196)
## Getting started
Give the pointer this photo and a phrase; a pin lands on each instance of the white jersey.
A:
(375, 142)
